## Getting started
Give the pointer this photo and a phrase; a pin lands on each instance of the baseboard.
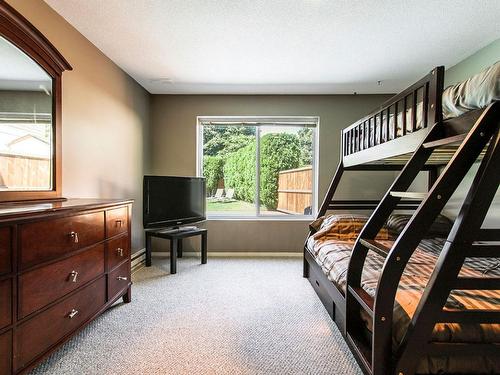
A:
(235, 254)
(138, 260)
(139, 257)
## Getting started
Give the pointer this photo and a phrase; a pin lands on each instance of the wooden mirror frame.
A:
(21, 33)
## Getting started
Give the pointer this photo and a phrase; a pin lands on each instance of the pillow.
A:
(344, 227)
(440, 228)
(476, 92)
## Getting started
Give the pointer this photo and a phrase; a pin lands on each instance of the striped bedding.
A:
(333, 257)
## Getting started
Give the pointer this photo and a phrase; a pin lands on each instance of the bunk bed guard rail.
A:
(415, 109)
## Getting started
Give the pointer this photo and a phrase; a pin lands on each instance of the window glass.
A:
(256, 169)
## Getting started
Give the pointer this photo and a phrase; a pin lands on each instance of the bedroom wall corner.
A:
(106, 118)
(459, 72)
(473, 64)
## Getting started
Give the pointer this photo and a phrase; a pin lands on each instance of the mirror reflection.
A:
(26, 137)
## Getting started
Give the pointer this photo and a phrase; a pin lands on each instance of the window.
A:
(259, 167)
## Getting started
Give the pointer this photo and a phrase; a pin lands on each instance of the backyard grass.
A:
(240, 207)
(233, 205)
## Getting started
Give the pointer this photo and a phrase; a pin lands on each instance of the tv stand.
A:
(176, 235)
(179, 229)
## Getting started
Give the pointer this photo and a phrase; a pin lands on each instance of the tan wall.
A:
(173, 147)
(468, 67)
(105, 118)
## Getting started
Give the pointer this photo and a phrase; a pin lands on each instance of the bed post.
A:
(324, 207)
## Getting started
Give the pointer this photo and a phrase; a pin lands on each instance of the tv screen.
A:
(171, 201)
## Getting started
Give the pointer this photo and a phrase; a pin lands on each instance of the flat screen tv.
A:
(172, 201)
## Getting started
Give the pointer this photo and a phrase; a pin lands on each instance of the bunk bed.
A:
(411, 292)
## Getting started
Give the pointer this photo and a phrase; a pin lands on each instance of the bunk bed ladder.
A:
(466, 240)
(377, 355)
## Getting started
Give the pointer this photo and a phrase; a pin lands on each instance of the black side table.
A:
(176, 237)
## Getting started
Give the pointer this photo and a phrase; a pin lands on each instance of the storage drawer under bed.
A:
(319, 282)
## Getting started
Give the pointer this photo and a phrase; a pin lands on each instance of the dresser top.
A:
(18, 209)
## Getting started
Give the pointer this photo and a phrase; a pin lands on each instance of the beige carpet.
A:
(230, 316)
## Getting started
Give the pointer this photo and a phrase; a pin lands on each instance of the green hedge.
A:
(278, 152)
(213, 172)
(239, 173)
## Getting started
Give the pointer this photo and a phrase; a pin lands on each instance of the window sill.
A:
(261, 218)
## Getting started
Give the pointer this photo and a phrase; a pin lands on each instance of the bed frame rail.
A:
(377, 142)
(381, 126)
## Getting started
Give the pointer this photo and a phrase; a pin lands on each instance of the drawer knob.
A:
(122, 278)
(119, 222)
(74, 236)
(120, 251)
(72, 314)
(73, 276)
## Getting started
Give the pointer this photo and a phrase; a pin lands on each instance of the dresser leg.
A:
(127, 297)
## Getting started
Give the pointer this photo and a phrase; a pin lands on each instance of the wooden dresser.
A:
(61, 265)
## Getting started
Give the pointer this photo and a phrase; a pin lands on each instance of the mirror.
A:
(26, 122)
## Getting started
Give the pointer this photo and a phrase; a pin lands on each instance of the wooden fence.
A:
(295, 190)
(21, 172)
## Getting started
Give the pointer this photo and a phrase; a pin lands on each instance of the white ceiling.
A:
(18, 71)
(282, 46)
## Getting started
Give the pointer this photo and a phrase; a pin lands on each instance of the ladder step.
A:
(477, 283)
(466, 349)
(470, 316)
(364, 299)
(482, 250)
(489, 235)
(363, 352)
(376, 247)
(409, 194)
(368, 204)
(443, 349)
(445, 141)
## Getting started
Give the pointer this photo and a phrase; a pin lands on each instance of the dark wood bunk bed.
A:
(408, 134)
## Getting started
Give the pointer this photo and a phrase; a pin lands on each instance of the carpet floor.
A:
(230, 316)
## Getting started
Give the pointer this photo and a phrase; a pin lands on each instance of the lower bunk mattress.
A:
(333, 257)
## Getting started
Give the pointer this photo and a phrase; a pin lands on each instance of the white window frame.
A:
(258, 121)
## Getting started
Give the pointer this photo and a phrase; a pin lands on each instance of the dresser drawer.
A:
(118, 250)
(53, 324)
(5, 303)
(118, 280)
(44, 285)
(6, 353)
(49, 239)
(5, 250)
(116, 221)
